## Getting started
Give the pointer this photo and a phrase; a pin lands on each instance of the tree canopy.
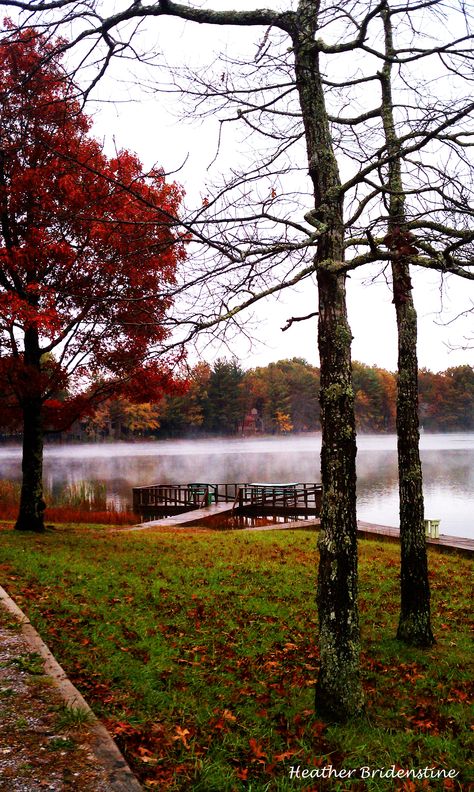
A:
(87, 252)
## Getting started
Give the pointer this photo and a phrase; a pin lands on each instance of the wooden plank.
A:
(444, 543)
(188, 518)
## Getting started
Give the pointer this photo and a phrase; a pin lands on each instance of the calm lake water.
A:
(448, 467)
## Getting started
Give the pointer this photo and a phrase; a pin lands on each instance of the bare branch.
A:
(298, 319)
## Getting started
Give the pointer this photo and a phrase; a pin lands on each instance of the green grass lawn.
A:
(199, 651)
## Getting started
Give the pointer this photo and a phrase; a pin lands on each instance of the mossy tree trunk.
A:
(415, 621)
(32, 505)
(339, 692)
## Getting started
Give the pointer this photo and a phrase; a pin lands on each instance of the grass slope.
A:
(198, 650)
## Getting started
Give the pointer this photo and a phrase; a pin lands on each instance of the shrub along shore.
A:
(198, 651)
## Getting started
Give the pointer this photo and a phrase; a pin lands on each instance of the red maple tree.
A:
(88, 253)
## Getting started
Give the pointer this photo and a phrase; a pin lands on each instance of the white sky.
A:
(146, 126)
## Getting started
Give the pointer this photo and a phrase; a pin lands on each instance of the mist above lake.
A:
(448, 469)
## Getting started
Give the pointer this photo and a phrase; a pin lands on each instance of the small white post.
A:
(432, 529)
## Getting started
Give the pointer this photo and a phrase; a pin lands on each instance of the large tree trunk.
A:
(415, 621)
(32, 505)
(339, 693)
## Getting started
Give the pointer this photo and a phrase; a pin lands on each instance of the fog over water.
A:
(448, 468)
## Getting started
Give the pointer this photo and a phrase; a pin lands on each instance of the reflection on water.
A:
(448, 467)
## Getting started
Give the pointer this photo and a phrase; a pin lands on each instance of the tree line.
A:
(282, 397)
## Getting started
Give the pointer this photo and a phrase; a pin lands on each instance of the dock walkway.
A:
(444, 543)
(188, 518)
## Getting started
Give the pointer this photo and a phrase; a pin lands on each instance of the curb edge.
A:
(119, 774)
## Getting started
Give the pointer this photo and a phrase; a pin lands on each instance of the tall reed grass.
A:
(78, 502)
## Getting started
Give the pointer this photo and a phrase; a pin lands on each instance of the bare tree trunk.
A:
(415, 620)
(32, 505)
(339, 693)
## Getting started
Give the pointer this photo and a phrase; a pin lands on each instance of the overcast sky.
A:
(149, 126)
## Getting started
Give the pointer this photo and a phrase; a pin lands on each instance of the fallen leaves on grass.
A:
(226, 649)
(256, 750)
(181, 735)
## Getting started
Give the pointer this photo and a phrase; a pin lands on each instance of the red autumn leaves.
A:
(88, 246)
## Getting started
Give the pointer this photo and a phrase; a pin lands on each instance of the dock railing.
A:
(159, 495)
(295, 498)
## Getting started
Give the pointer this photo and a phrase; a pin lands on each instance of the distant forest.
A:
(224, 399)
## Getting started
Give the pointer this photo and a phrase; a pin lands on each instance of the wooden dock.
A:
(161, 501)
(196, 503)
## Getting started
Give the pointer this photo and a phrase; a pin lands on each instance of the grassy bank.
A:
(198, 649)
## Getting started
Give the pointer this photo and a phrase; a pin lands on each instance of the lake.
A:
(448, 468)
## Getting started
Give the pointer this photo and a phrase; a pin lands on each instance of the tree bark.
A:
(32, 505)
(415, 620)
(339, 693)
